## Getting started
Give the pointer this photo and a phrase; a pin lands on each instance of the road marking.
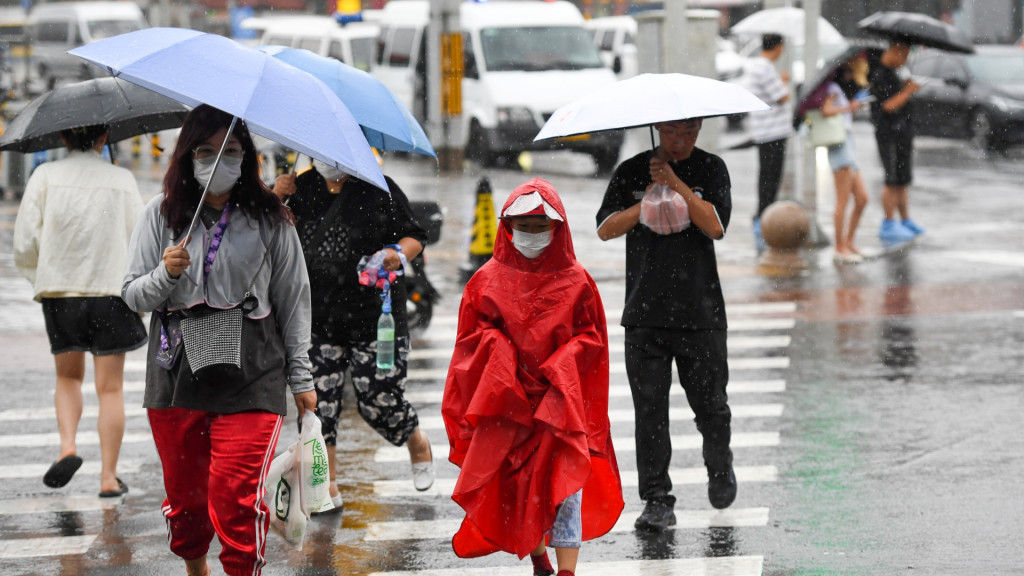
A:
(445, 486)
(92, 467)
(129, 386)
(58, 504)
(37, 547)
(83, 438)
(685, 520)
(47, 413)
(627, 415)
(731, 310)
(622, 390)
(721, 566)
(446, 334)
(616, 348)
(764, 363)
(999, 257)
(622, 444)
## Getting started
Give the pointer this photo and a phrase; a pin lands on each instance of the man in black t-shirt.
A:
(891, 112)
(674, 311)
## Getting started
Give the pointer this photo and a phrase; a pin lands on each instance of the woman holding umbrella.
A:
(71, 241)
(216, 430)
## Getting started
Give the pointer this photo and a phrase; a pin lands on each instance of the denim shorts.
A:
(567, 531)
(843, 155)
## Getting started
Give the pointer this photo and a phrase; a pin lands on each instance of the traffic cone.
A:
(483, 232)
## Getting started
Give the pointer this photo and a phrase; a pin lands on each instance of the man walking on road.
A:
(894, 134)
(674, 311)
(769, 128)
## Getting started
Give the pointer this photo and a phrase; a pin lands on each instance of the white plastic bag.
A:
(664, 211)
(314, 467)
(283, 498)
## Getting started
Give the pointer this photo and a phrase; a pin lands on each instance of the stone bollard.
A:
(785, 226)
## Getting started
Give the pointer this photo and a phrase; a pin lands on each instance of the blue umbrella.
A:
(275, 100)
(386, 122)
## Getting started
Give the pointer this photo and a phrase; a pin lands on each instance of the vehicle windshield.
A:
(362, 53)
(100, 29)
(538, 48)
(997, 69)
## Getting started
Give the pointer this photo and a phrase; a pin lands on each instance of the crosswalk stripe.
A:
(621, 390)
(765, 363)
(445, 486)
(622, 444)
(720, 566)
(685, 519)
(732, 310)
(14, 414)
(627, 415)
(83, 438)
(53, 546)
(447, 334)
(57, 504)
(92, 467)
(615, 348)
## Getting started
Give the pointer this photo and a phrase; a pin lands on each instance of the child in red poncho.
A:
(526, 400)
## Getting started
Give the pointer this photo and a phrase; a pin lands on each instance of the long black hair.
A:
(181, 189)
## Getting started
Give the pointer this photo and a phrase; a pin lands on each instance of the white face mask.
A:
(229, 171)
(327, 171)
(530, 245)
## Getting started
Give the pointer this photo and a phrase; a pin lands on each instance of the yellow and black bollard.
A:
(136, 147)
(483, 233)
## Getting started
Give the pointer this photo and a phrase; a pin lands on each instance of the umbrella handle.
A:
(216, 163)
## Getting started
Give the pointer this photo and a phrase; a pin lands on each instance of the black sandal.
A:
(61, 471)
(122, 489)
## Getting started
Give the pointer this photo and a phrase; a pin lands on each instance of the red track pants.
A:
(214, 468)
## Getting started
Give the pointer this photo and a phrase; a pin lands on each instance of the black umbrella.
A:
(913, 28)
(872, 50)
(127, 109)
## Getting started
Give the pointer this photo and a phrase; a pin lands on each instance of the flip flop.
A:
(61, 471)
(122, 489)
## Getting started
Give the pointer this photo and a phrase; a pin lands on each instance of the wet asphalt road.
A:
(880, 406)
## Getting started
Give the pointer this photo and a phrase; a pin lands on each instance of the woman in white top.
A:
(843, 159)
(71, 241)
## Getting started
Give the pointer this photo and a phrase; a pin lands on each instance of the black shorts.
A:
(896, 150)
(101, 325)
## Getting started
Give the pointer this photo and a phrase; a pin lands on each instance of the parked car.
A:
(615, 38)
(977, 97)
(57, 27)
(353, 43)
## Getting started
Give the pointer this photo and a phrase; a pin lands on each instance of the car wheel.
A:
(981, 131)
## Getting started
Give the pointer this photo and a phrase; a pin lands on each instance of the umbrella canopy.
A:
(826, 72)
(648, 99)
(127, 109)
(788, 22)
(913, 28)
(386, 122)
(275, 100)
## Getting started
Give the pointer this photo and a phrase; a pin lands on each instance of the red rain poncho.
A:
(526, 399)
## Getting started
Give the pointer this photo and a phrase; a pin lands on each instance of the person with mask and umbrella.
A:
(71, 241)
(340, 219)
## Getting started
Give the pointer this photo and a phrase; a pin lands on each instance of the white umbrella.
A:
(648, 99)
(788, 22)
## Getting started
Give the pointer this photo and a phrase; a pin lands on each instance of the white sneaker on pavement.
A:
(423, 473)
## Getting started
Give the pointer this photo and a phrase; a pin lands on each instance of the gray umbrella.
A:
(127, 109)
(914, 28)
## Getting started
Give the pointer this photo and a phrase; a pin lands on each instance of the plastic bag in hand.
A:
(314, 467)
(370, 266)
(284, 499)
(664, 211)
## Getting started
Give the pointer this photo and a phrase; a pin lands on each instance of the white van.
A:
(57, 27)
(615, 38)
(522, 61)
(353, 43)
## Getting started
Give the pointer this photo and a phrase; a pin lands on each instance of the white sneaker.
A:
(423, 472)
